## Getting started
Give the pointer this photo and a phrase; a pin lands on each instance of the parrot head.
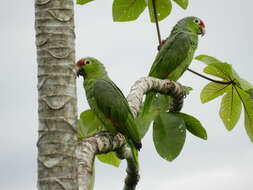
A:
(191, 24)
(89, 68)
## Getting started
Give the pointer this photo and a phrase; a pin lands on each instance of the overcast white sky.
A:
(222, 162)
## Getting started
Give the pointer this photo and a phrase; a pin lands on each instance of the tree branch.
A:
(86, 151)
(145, 84)
(98, 144)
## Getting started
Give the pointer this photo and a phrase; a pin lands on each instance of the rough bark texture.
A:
(145, 84)
(88, 148)
(54, 25)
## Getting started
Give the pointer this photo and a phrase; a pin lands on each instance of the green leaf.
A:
(169, 135)
(211, 91)
(187, 89)
(207, 59)
(193, 125)
(109, 158)
(88, 124)
(248, 112)
(127, 10)
(244, 84)
(250, 92)
(144, 121)
(231, 107)
(220, 69)
(182, 3)
(163, 9)
(161, 103)
(82, 2)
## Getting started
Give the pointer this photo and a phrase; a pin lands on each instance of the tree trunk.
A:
(54, 25)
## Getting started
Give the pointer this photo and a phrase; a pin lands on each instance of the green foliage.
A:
(248, 112)
(127, 10)
(237, 91)
(187, 89)
(169, 133)
(231, 108)
(163, 9)
(207, 59)
(109, 158)
(88, 124)
(144, 121)
(82, 2)
(193, 125)
(250, 92)
(159, 105)
(211, 91)
(182, 3)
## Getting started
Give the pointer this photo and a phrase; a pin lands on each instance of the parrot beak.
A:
(202, 31)
(80, 71)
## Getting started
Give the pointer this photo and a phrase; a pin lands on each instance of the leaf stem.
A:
(156, 22)
(207, 78)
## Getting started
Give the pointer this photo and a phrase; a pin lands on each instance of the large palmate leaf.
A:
(193, 125)
(163, 9)
(212, 90)
(127, 10)
(231, 108)
(238, 91)
(109, 158)
(88, 124)
(169, 135)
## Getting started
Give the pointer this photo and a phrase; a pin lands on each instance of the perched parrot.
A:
(108, 102)
(176, 53)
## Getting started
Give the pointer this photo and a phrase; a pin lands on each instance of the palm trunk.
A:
(54, 25)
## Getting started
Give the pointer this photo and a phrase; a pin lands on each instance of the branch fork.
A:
(98, 144)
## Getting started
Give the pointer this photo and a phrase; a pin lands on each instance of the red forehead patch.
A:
(202, 23)
(80, 63)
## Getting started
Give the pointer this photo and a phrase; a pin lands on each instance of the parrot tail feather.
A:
(134, 151)
(150, 96)
(137, 145)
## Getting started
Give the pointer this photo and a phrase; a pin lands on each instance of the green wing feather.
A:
(172, 55)
(112, 103)
(171, 62)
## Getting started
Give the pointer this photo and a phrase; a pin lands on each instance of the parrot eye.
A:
(87, 62)
(197, 21)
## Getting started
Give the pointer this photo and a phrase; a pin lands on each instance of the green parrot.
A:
(108, 102)
(176, 53)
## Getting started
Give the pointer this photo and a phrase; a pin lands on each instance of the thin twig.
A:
(207, 78)
(156, 22)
